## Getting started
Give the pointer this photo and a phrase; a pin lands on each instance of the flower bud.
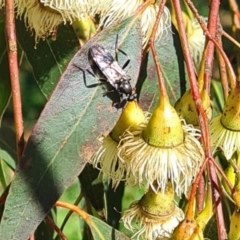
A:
(230, 118)
(132, 116)
(164, 128)
(186, 107)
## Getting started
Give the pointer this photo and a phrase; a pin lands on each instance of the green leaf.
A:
(48, 58)
(6, 157)
(114, 204)
(8, 151)
(6, 175)
(102, 231)
(5, 85)
(218, 100)
(211, 228)
(92, 189)
(44, 231)
(64, 138)
(171, 60)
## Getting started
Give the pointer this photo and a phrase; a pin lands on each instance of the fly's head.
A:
(125, 87)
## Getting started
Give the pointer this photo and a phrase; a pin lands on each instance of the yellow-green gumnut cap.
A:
(188, 230)
(230, 118)
(231, 176)
(186, 107)
(84, 28)
(234, 232)
(164, 128)
(158, 204)
(132, 115)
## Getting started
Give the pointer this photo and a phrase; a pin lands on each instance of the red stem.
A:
(219, 169)
(212, 27)
(222, 69)
(210, 37)
(203, 122)
(14, 75)
(190, 210)
(200, 194)
(55, 227)
(222, 234)
(75, 209)
(163, 90)
(202, 116)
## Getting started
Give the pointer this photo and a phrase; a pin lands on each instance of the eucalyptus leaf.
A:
(64, 138)
(48, 58)
(102, 231)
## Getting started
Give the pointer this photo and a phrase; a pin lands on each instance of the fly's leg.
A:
(122, 103)
(92, 74)
(128, 59)
(108, 91)
(115, 96)
(103, 81)
(116, 57)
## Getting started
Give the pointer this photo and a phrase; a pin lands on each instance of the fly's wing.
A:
(101, 56)
(119, 71)
(107, 64)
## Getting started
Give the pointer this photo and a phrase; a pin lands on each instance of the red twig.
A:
(55, 227)
(195, 94)
(230, 38)
(212, 27)
(222, 234)
(14, 75)
(163, 90)
(190, 210)
(75, 209)
(210, 37)
(219, 169)
(203, 122)
(70, 212)
(200, 194)
(212, 24)
(222, 69)
(234, 7)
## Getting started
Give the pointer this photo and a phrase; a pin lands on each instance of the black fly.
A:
(114, 74)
